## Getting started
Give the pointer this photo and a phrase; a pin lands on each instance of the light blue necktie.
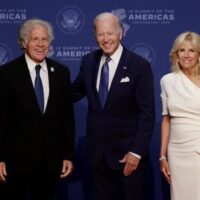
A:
(39, 89)
(104, 80)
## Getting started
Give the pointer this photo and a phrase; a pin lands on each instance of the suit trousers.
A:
(111, 184)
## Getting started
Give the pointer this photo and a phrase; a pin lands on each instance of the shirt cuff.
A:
(136, 155)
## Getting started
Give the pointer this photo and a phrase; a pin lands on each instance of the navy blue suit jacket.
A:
(126, 121)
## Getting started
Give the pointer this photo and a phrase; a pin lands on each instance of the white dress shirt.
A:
(43, 75)
(112, 66)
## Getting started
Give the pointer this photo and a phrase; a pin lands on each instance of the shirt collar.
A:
(116, 55)
(31, 64)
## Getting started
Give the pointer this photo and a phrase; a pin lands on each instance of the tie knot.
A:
(107, 59)
(37, 68)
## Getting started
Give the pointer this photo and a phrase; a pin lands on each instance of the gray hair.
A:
(106, 16)
(27, 26)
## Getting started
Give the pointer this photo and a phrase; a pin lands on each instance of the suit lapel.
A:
(52, 83)
(24, 83)
(121, 72)
(95, 69)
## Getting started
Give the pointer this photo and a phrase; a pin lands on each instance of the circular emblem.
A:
(70, 20)
(146, 51)
(5, 54)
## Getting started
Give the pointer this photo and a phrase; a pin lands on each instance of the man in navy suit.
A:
(119, 129)
(37, 135)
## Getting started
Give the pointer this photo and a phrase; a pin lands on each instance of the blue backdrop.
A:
(150, 26)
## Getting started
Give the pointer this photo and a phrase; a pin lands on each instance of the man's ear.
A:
(23, 44)
(121, 34)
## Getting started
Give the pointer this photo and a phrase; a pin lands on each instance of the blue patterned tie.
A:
(104, 80)
(39, 89)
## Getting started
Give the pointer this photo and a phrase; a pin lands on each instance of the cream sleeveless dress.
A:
(181, 100)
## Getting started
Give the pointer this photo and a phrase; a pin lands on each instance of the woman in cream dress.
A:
(180, 128)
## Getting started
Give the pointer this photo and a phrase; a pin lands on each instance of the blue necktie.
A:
(39, 89)
(104, 80)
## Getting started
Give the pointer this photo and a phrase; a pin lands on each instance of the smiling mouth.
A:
(40, 51)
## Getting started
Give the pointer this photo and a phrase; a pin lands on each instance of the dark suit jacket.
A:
(126, 121)
(27, 136)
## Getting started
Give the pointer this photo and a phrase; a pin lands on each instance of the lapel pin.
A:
(52, 69)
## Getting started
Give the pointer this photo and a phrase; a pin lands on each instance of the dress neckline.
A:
(189, 80)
